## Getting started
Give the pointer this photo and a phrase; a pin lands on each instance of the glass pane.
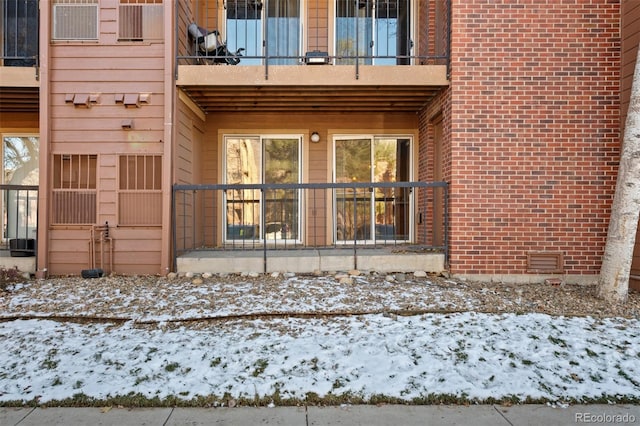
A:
(392, 32)
(244, 29)
(353, 206)
(391, 164)
(284, 31)
(20, 164)
(282, 165)
(20, 154)
(243, 166)
(20, 32)
(354, 32)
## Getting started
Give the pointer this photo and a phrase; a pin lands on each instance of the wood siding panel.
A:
(69, 250)
(19, 120)
(317, 155)
(189, 159)
(107, 68)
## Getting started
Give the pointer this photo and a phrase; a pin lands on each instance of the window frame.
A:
(80, 189)
(74, 3)
(141, 37)
(262, 223)
(372, 137)
(373, 56)
(127, 193)
(259, 57)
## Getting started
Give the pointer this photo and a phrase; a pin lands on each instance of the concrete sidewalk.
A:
(365, 415)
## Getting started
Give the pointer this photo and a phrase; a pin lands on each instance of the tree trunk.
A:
(613, 284)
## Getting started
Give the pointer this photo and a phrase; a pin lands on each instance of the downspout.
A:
(449, 15)
(42, 254)
(170, 41)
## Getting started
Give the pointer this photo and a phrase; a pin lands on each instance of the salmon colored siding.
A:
(18, 120)
(106, 69)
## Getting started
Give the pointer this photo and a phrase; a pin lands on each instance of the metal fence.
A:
(19, 36)
(310, 215)
(293, 32)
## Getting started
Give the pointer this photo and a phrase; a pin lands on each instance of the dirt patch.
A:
(157, 299)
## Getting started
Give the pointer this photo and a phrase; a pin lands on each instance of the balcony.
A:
(320, 55)
(382, 226)
(19, 56)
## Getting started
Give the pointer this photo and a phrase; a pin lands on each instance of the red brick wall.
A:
(437, 110)
(535, 133)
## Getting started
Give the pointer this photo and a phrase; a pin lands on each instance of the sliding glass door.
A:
(368, 214)
(265, 29)
(374, 32)
(272, 215)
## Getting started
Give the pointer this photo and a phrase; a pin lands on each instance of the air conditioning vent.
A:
(75, 21)
(140, 22)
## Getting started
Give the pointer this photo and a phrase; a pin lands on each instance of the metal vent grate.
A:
(545, 262)
(75, 21)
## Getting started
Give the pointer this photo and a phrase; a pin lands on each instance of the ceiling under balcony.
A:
(19, 99)
(19, 89)
(311, 88)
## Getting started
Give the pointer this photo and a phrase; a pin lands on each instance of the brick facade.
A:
(535, 132)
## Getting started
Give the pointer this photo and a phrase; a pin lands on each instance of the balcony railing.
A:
(316, 32)
(19, 219)
(19, 33)
(300, 216)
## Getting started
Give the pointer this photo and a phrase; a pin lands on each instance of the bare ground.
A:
(153, 299)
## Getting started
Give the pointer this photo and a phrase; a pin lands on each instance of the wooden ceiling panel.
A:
(312, 98)
(19, 99)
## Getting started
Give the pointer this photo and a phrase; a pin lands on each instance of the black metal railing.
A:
(273, 32)
(19, 219)
(20, 29)
(310, 215)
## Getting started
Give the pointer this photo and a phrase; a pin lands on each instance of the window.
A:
(74, 189)
(376, 32)
(140, 190)
(20, 207)
(245, 28)
(141, 20)
(366, 214)
(19, 34)
(75, 20)
(250, 214)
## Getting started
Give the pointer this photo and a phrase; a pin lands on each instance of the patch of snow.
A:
(467, 354)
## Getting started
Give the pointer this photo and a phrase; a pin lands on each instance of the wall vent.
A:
(545, 262)
(75, 21)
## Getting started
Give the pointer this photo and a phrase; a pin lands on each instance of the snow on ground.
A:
(467, 354)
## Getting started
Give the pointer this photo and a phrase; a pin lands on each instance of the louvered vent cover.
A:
(545, 262)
